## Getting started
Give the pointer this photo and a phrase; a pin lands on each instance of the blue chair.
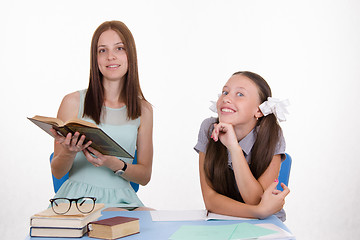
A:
(58, 182)
(135, 186)
(284, 173)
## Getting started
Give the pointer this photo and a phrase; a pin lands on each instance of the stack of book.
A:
(72, 224)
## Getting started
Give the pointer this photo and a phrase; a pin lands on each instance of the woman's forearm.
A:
(62, 161)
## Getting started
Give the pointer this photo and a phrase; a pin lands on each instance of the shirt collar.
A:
(248, 141)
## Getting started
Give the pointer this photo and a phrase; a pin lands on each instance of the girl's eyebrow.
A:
(241, 88)
(236, 88)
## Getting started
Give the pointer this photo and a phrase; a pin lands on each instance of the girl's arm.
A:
(140, 172)
(251, 189)
(65, 148)
(217, 203)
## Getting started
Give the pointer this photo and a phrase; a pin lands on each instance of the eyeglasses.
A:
(63, 205)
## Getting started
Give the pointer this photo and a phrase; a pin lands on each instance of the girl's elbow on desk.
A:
(238, 209)
(211, 203)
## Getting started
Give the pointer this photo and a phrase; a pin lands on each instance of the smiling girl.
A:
(240, 152)
(114, 101)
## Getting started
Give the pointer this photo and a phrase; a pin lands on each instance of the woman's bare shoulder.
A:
(69, 106)
(146, 107)
(146, 114)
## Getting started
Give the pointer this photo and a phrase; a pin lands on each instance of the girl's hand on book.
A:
(73, 143)
(272, 200)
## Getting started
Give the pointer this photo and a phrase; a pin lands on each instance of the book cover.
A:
(115, 227)
(100, 140)
(72, 219)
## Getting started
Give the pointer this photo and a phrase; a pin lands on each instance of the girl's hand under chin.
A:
(226, 133)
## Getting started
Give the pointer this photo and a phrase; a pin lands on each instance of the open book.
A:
(190, 215)
(100, 140)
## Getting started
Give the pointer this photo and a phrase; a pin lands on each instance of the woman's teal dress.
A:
(86, 180)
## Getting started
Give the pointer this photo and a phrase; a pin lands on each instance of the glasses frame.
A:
(52, 201)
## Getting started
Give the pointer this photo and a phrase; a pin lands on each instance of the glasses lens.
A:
(60, 205)
(85, 204)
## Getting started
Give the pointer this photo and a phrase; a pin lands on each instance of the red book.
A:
(113, 228)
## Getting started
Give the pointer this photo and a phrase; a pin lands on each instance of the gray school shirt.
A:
(246, 145)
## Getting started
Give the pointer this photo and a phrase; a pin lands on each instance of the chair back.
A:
(135, 186)
(284, 173)
(58, 182)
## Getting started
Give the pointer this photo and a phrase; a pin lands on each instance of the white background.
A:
(308, 51)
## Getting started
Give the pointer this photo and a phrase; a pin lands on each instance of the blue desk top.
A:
(163, 230)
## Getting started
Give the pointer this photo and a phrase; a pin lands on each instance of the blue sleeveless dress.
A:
(86, 180)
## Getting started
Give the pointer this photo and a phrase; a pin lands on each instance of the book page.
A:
(215, 216)
(171, 215)
(190, 215)
(81, 123)
(51, 120)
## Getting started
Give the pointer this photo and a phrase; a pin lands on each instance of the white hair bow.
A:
(213, 107)
(275, 106)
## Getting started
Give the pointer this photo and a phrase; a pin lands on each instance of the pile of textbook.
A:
(71, 224)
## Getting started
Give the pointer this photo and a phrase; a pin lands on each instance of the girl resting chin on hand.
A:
(241, 151)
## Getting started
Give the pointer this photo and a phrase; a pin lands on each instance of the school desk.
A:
(162, 230)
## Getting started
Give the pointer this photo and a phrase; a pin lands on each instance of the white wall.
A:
(307, 50)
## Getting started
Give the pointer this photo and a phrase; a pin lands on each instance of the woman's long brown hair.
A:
(219, 175)
(131, 92)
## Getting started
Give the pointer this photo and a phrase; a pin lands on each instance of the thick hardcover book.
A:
(57, 232)
(72, 219)
(112, 228)
(100, 140)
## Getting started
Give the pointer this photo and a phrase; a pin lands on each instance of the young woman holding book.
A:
(114, 101)
(240, 152)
